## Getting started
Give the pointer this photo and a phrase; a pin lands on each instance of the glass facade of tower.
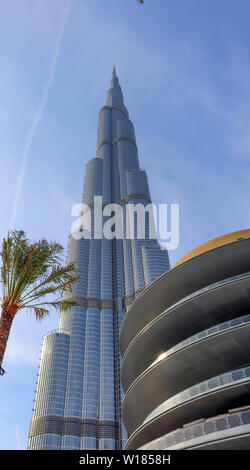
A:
(78, 397)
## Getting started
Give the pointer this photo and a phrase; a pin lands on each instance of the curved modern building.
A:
(78, 397)
(185, 343)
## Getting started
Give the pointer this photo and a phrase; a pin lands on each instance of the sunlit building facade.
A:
(78, 398)
(186, 353)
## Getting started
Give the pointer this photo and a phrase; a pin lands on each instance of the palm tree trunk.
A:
(5, 325)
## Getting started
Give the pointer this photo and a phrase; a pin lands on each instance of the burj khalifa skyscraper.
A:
(78, 396)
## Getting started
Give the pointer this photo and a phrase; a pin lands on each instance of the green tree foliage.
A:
(30, 273)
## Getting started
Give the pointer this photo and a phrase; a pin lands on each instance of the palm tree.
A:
(29, 272)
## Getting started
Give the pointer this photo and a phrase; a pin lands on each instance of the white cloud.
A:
(39, 111)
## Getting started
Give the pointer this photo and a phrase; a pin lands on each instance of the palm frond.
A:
(40, 257)
(41, 311)
(31, 271)
(58, 280)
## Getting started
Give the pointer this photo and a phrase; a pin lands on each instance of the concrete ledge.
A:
(203, 309)
(199, 361)
(203, 405)
(207, 268)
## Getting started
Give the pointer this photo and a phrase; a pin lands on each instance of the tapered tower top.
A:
(114, 80)
(115, 96)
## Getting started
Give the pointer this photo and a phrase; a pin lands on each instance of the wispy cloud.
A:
(3, 112)
(18, 442)
(39, 111)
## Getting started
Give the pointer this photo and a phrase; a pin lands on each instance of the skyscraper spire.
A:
(115, 96)
(114, 79)
(78, 397)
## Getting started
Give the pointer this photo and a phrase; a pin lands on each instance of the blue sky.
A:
(184, 67)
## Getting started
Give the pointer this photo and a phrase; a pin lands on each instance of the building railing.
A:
(210, 385)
